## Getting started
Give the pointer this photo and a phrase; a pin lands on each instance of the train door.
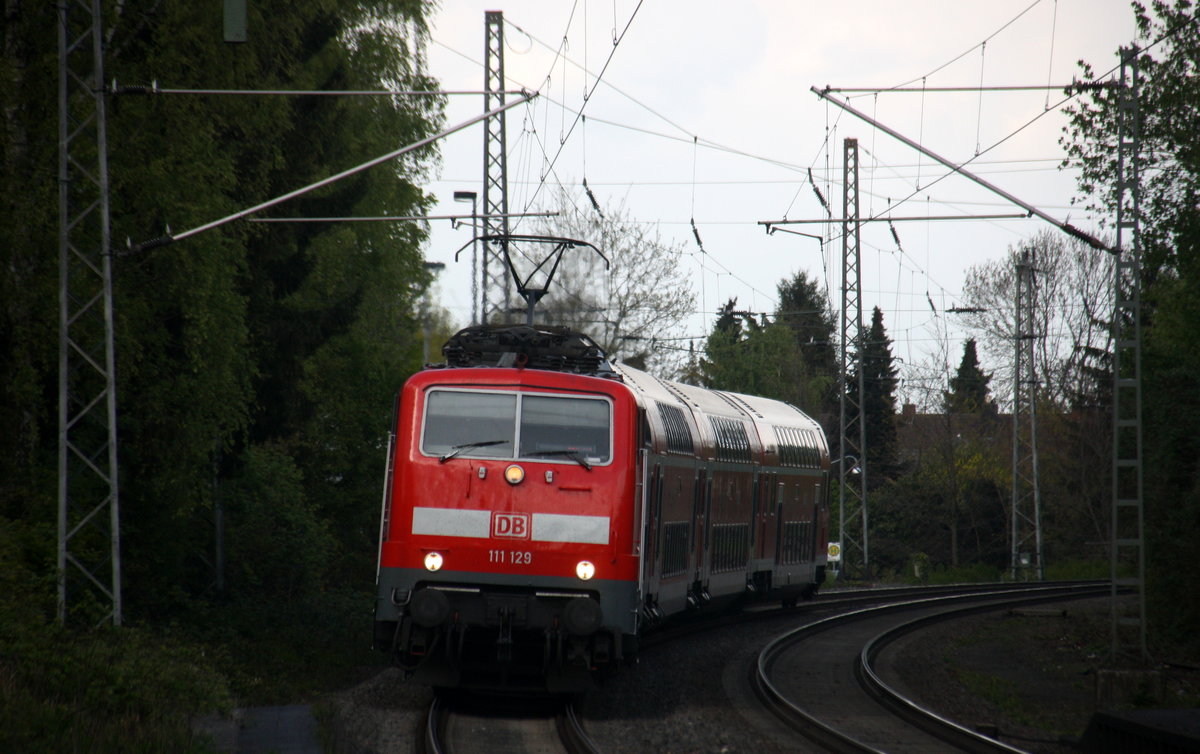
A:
(755, 504)
(764, 501)
(814, 528)
(701, 501)
(780, 495)
(652, 562)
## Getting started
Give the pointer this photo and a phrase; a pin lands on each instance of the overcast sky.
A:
(705, 111)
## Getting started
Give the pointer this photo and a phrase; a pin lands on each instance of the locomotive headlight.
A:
(433, 561)
(514, 474)
(585, 570)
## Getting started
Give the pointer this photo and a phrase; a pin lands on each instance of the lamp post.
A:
(471, 196)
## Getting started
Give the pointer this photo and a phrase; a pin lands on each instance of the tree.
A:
(1073, 303)
(879, 400)
(248, 347)
(635, 308)
(745, 355)
(969, 392)
(804, 309)
(1169, 106)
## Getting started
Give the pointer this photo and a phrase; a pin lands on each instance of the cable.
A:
(969, 51)
(1050, 64)
(599, 78)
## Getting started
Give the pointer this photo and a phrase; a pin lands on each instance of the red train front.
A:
(542, 505)
(508, 547)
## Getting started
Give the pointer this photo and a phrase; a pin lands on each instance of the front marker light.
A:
(585, 570)
(433, 561)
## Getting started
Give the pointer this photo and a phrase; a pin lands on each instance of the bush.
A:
(105, 690)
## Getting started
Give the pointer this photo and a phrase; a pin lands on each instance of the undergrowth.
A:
(137, 688)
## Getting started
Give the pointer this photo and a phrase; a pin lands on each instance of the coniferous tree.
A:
(745, 355)
(804, 309)
(879, 402)
(969, 392)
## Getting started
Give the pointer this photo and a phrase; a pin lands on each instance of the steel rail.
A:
(435, 727)
(809, 724)
(923, 717)
(570, 729)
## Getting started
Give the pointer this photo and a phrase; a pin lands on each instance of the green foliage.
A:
(246, 335)
(110, 690)
(1169, 103)
(975, 573)
(278, 547)
(805, 310)
(969, 391)
(256, 363)
(878, 402)
(116, 690)
(280, 652)
(745, 356)
(1077, 570)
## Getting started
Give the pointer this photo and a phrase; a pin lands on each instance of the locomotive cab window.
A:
(458, 420)
(554, 425)
(543, 427)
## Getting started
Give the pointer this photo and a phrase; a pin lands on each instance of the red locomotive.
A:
(543, 507)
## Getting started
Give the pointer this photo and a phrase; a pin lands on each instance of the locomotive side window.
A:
(550, 423)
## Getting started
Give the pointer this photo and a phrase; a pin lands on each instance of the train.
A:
(545, 507)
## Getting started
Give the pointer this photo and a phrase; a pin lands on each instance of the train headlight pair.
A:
(584, 569)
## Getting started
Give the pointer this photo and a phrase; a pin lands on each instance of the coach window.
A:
(456, 419)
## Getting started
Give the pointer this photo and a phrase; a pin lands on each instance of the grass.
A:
(1004, 694)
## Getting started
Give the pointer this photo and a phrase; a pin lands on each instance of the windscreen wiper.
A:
(574, 455)
(467, 446)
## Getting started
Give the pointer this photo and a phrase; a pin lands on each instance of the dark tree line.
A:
(256, 363)
(1169, 59)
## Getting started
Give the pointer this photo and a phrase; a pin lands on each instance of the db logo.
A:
(510, 525)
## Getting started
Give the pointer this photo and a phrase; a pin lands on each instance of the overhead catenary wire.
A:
(599, 78)
(691, 221)
(963, 54)
(1062, 225)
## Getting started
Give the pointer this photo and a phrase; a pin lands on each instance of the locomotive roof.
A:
(550, 347)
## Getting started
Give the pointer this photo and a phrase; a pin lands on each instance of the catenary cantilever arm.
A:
(1066, 227)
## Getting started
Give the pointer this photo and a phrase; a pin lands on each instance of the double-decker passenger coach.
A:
(543, 507)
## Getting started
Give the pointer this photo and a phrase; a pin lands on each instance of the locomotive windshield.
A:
(493, 424)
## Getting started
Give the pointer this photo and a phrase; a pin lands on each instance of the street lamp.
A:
(471, 196)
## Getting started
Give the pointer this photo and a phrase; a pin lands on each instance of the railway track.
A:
(467, 724)
(824, 680)
(821, 678)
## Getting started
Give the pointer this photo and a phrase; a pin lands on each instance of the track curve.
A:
(829, 692)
